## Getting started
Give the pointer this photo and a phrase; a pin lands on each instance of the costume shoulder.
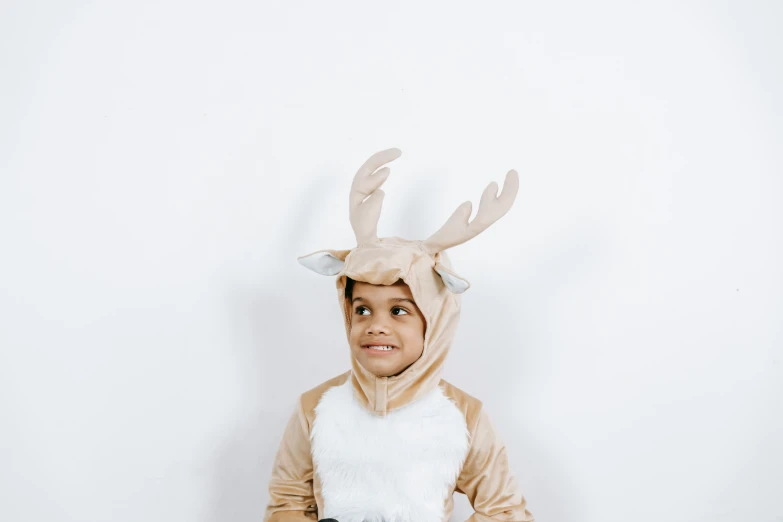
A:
(312, 397)
(467, 404)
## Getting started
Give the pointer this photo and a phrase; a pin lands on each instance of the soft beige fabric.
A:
(295, 493)
(382, 263)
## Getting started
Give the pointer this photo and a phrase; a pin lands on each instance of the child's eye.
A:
(359, 309)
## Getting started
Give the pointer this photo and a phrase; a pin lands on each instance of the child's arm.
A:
(291, 496)
(487, 480)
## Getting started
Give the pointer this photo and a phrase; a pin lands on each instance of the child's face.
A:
(386, 315)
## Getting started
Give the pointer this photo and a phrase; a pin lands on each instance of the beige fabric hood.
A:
(421, 264)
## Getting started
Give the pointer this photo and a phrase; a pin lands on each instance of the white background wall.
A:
(162, 165)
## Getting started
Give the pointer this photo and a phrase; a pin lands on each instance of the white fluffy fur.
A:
(397, 468)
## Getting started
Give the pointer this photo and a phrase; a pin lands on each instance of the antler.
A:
(364, 214)
(457, 230)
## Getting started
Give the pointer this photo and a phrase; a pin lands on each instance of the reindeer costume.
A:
(394, 449)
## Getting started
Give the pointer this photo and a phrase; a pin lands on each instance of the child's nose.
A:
(378, 328)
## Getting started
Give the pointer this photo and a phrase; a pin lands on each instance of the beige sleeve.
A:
(487, 480)
(291, 497)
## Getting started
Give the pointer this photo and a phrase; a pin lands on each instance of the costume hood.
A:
(421, 264)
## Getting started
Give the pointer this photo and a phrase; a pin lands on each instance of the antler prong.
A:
(492, 207)
(364, 214)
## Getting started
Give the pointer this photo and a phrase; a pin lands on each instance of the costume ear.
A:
(453, 282)
(325, 262)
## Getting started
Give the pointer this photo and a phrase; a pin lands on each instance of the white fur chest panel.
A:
(397, 468)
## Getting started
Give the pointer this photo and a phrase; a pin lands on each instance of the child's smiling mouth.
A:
(379, 349)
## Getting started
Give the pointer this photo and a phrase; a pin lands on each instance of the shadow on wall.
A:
(492, 359)
(274, 335)
(576, 258)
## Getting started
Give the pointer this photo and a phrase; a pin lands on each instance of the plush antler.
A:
(364, 214)
(457, 230)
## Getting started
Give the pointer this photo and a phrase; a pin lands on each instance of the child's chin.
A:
(379, 370)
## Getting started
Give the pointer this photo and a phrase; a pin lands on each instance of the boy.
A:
(389, 440)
